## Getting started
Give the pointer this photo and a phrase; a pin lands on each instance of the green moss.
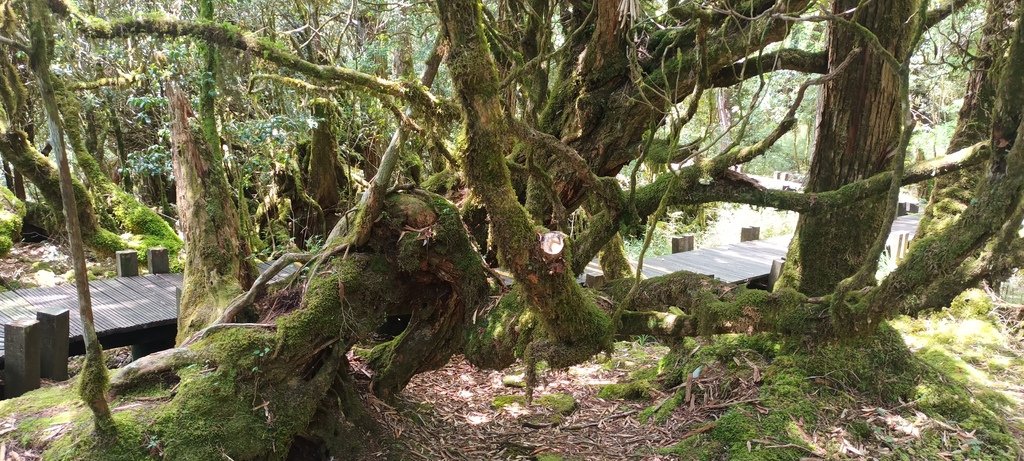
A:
(972, 303)
(12, 214)
(497, 339)
(563, 404)
(697, 448)
(443, 182)
(549, 457)
(132, 443)
(879, 365)
(634, 390)
(514, 380)
(502, 401)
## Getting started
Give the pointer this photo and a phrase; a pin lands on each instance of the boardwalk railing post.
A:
(775, 273)
(127, 263)
(750, 233)
(21, 361)
(901, 246)
(681, 244)
(901, 209)
(157, 261)
(913, 208)
(55, 328)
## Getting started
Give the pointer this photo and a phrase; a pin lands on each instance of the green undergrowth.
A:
(940, 386)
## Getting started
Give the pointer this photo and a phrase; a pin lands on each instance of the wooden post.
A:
(157, 261)
(595, 281)
(55, 328)
(900, 245)
(913, 208)
(901, 209)
(750, 233)
(775, 273)
(21, 361)
(127, 263)
(906, 243)
(778, 175)
(681, 244)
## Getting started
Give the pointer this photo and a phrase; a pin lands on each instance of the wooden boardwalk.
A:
(122, 306)
(129, 309)
(740, 262)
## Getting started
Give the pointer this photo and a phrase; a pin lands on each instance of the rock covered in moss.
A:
(503, 401)
(563, 404)
(633, 390)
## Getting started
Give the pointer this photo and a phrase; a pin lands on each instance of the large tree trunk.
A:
(573, 327)
(215, 266)
(859, 121)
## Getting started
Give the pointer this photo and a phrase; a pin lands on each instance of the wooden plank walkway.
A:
(740, 262)
(120, 305)
(136, 304)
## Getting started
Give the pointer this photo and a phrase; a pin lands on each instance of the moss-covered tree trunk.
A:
(859, 126)
(128, 213)
(325, 177)
(952, 193)
(215, 266)
(16, 148)
(92, 380)
(42, 173)
(573, 328)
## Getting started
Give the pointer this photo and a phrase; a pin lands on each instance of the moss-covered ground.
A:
(944, 386)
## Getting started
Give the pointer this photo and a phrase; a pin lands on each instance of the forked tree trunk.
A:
(859, 121)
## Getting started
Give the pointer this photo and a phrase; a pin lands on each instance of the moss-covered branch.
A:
(41, 172)
(760, 64)
(12, 213)
(736, 188)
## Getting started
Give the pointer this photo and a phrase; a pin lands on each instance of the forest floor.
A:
(618, 407)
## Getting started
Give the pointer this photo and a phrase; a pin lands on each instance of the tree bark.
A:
(859, 124)
(215, 269)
